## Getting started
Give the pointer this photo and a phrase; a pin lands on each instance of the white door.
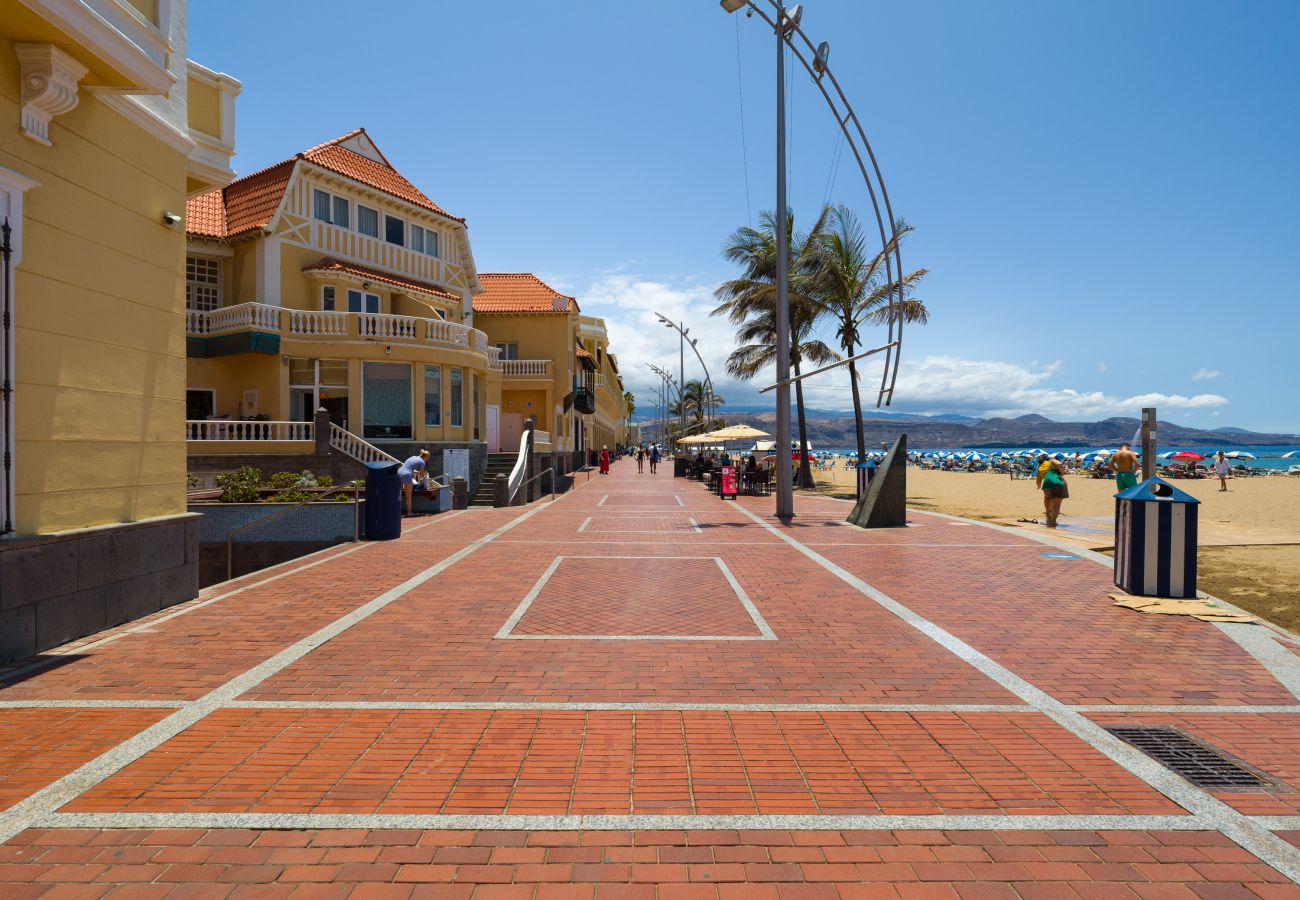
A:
(512, 428)
(493, 429)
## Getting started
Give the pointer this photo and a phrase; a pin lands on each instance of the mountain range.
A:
(834, 428)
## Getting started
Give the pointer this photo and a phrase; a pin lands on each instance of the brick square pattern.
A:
(623, 762)
(649, 596)
(668, 865)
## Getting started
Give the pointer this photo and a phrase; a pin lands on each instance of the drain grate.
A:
(1199, 763)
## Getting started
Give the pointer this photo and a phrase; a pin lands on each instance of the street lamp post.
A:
(708, 379)
(785, 24)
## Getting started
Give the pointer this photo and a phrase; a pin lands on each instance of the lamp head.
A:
(732, 5)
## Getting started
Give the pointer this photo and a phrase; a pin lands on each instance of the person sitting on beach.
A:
(1125, 466)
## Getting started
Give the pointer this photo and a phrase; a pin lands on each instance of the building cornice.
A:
(149, 121)
(113, 32)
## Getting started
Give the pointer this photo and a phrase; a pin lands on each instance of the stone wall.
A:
(55, 588)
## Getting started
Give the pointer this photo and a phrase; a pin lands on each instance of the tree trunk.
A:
(805, 467)
(857, 407)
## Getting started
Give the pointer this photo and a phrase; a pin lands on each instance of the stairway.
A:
(497, 463)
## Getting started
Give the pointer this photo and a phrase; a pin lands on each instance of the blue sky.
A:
(1106, 194)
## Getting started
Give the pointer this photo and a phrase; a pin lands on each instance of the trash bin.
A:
(681, 467)
(1155, 540)
(866, 472)
(383, 501)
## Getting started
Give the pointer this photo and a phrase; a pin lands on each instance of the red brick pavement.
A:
(672, 865)
(38, 746)
(1047, 620)
(620, 762)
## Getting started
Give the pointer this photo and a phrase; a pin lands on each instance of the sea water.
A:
(1269, 457)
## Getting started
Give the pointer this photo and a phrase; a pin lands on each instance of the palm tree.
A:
(852, 287)
(696, 400)
(750, 302)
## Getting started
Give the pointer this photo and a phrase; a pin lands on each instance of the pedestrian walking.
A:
(1124, 463)
(640, 459)
(407, 473)
(604, 459)
(1052, 482)
(1222, 468)
(654, 458)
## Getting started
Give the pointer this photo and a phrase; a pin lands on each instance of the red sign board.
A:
(727, 486)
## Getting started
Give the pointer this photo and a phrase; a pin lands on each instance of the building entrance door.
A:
(302, 407)
(493, 429)
(512, 429)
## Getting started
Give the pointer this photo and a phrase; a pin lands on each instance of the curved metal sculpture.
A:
(814, 60)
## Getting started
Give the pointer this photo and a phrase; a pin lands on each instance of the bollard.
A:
(459, 493)
(500, 491)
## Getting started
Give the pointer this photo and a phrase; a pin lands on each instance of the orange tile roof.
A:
(330, 264)
(520, 292)
(250, 202)
(581, 353)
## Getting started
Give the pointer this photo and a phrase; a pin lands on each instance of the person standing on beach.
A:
(1052, 482)
(1125, 466)
(1222, 468)
(1044, 462)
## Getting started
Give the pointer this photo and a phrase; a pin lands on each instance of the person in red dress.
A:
(604, 460)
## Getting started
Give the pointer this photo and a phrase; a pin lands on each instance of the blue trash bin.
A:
(1155, 540)
(866, 472)
(383, 501)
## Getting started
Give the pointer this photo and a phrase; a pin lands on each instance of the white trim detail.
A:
(48, 79)
(113, 32)
(12, 188)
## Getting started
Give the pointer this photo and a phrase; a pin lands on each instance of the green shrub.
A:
(306, 479)
(240, 486)
(324, 481)
(283, 480)
(291, 495)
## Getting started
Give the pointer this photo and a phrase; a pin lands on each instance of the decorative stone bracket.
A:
(49, 80)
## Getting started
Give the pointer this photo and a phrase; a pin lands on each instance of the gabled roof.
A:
(521, 293)
(330, 264)
(250, 202)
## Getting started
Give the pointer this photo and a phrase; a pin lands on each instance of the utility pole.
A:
(784, 469)
(1148, 442)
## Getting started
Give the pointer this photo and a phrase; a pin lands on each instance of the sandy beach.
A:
(1261, 573)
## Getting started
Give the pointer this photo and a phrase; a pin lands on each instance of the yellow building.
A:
(329, 281)
(105, 129)
(556, 366)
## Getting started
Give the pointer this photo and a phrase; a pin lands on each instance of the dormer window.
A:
(327, 207)
(424, 240)
(368, 220)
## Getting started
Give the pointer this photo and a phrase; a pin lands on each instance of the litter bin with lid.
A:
(1155, 540)
(681, 467)
(383, 501)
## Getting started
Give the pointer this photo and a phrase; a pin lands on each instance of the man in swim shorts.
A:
(1125, 466)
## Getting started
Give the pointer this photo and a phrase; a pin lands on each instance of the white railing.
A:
(441, 331)
(542, 437)
(349, 444)
(524, 368)
(520, 471)
(314, 323)
(480, 340)
(236, 430)
(494, 357)
(233, 318)
(384, 325)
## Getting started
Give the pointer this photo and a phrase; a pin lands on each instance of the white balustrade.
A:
(441, 331)
(361, 450)
(314, 323)
(526, 368)
(239, 430)
(542, 437)
(234, 318)
(494, 357)
(389, 327)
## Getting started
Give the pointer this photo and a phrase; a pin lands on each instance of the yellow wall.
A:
(230, 376)
(545, 336)
(149, 9)
(99, 336)
(513, 401)
(204, 111)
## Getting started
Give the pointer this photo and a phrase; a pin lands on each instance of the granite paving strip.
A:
(1212, 811)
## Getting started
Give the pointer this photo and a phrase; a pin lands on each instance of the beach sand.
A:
(1261, 577)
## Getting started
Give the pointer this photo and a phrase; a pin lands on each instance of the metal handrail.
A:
(356, 522)
(551, 471)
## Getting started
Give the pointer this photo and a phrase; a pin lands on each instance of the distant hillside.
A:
(836, 430)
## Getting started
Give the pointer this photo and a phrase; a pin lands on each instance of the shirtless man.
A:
(1125, 466)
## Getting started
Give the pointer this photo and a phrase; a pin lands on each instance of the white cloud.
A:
(1102, 367)
(932, 384)
(1205, 374)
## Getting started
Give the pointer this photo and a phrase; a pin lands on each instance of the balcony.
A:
(526, 368)
(259, 327)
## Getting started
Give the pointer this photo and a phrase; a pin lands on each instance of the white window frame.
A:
(417, 231)
(456, 373)
(215, 286)
(364, 295)
(502, 345)
(431, 248)
(345, 204)
(427, 370)
(331, 292)
(369, 209)
(316, 195)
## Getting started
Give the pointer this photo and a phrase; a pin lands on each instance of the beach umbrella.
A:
(1291, 455)
(1187, 456)
(1167, 455)
(1240, 454)
(975, 455)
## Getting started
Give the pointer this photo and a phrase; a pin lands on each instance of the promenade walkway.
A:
(640, 690)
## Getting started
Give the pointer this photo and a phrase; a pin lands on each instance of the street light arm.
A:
(819, 70)
(707, 378)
